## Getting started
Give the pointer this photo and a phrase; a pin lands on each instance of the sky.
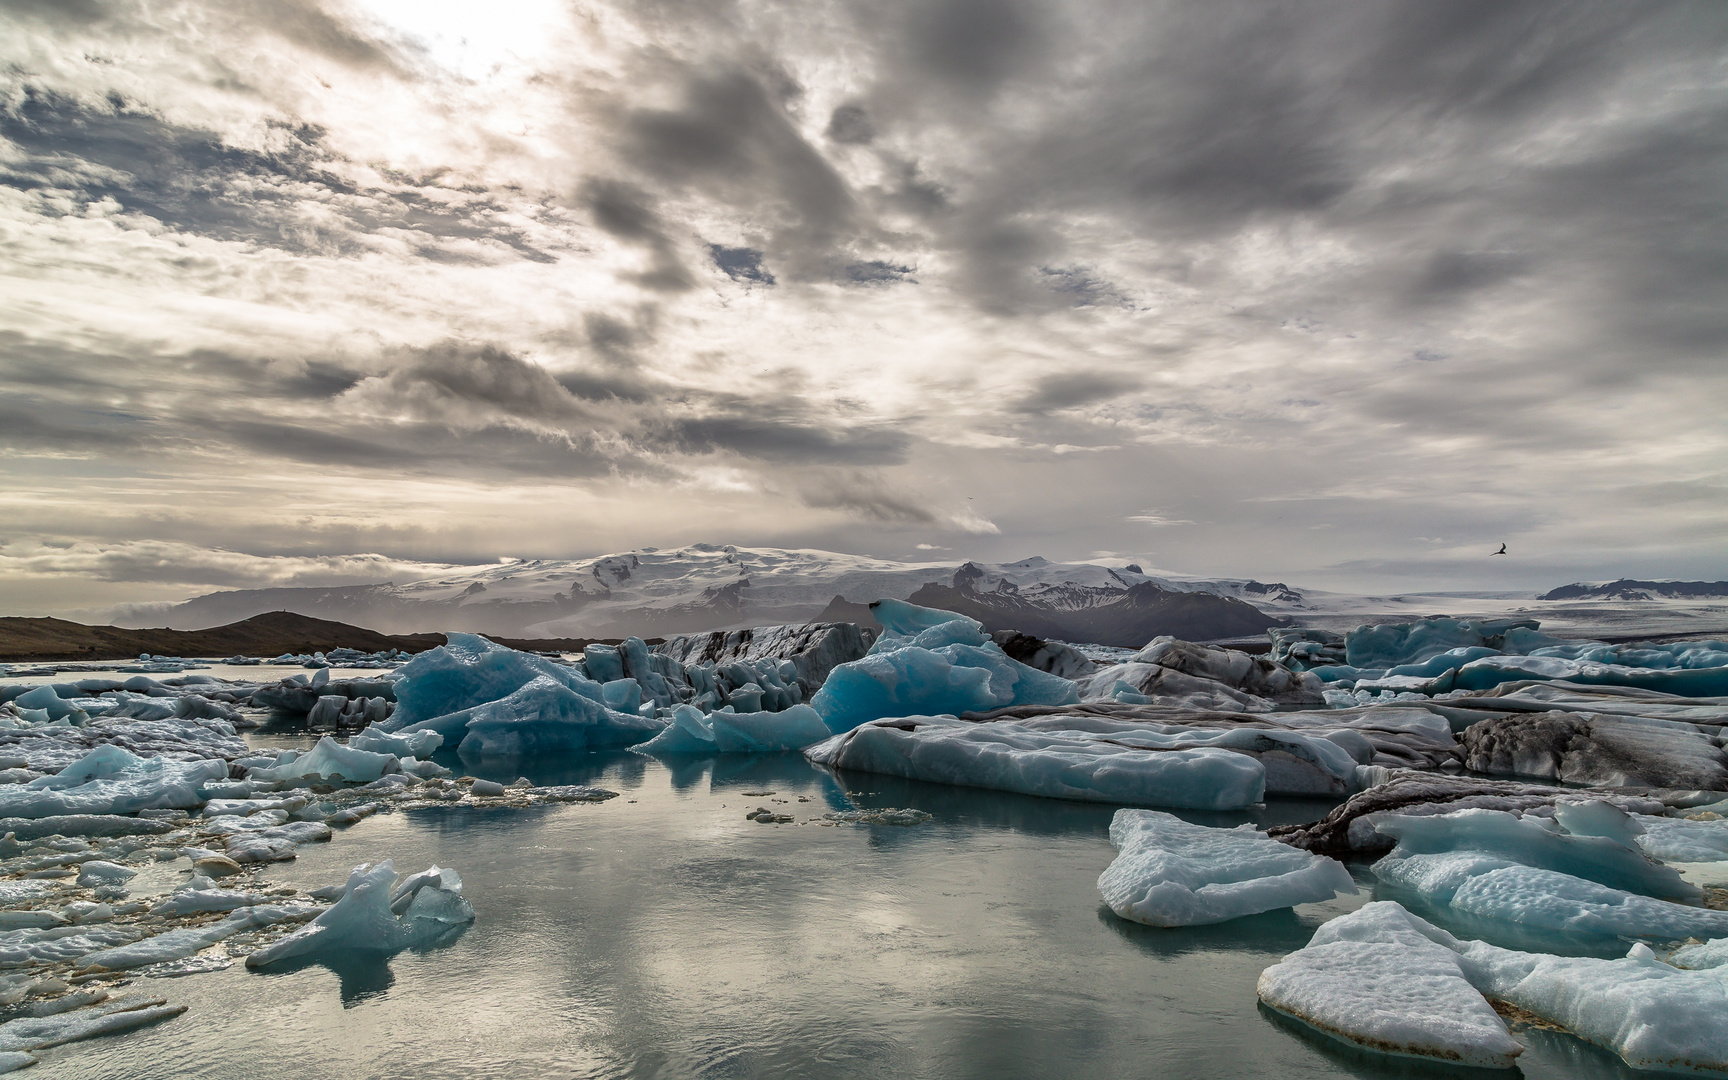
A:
(1347, 294)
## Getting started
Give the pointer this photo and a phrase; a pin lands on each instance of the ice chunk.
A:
(110, 780)
(187, 940)
(36, 946)
(1057, 764)
(913, 680)
(1554, 901)
(118, 1014)
(1710, 954)
(1525, 840)
(362, 919)
(1613, 751)
(689, 733)
(1679, 840)
(329, 761)
(100, 874)
(413, 743)
(759, 732)
(275, 844)
(905, 624)
(1383, 980)
(1388, 645)
(187, 901)
(442, 684)
(1653, 1015)
(547, 716)
(1172, 873)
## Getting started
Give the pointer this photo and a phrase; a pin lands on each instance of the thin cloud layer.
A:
(1349, 292)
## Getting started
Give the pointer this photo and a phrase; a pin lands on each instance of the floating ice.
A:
(328, 761)
(119, 1014)
(187, 940)
(760, 732)
(689, 733)
(1383, 980)
(362, 920)
(1528, 842)
(276, 843)
(1709, 954)
(37, 946)
(920, 666)
(110, 780)
(1172, 873)
(547, 716)
(1057, 764)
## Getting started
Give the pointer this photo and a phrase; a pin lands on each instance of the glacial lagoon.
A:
(661, 934)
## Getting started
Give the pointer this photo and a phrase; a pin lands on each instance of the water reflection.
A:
(660, 935)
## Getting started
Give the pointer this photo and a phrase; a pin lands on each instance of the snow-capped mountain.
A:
(1630, 589)
(654, 591)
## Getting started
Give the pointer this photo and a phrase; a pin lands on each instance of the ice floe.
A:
(1172, 873)
(1379, 979)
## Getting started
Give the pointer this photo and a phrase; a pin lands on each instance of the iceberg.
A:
(1681, 840)
(928, 662)
(1391, 644)
(545, 716)
(328, 761)
(1056, 764)
(1607, 751)
(1527, 841)
(440, 685)
(1172, 873)
(110, 780)
(688, 733)
(363, 919)
(763, 732)
(1382, 980)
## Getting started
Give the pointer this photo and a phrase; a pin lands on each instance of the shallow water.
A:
(662, 935)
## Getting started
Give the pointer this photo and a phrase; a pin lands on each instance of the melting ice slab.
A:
(1056, 764)
(1380, 978)
(1172, 873)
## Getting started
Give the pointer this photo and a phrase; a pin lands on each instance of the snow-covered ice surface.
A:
(1170, 873)
(1654, 1015)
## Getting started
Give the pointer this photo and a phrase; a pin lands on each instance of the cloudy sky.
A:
(1345, 294)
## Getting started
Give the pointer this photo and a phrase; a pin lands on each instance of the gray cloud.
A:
(1338, 274)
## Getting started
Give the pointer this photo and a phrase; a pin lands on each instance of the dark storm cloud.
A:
(1067, 389)
(785, 439)
(731, 139)
(864, 495)
(627, 212)
(191, 180)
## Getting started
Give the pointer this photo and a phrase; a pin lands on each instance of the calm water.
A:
(662, 935)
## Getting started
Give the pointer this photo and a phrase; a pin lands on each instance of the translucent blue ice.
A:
(111, 780)
(1057, 764)
(953, 679)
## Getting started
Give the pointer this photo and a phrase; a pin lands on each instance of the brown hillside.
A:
(270, 634)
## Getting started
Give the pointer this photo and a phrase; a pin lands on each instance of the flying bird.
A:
(1502, 551)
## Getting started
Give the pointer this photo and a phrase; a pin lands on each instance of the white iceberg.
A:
(1056, 764)
(1379, 979)
(1172, 873)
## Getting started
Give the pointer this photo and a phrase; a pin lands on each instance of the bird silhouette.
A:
(1502, 551)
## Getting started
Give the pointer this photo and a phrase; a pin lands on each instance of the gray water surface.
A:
(662, 935)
